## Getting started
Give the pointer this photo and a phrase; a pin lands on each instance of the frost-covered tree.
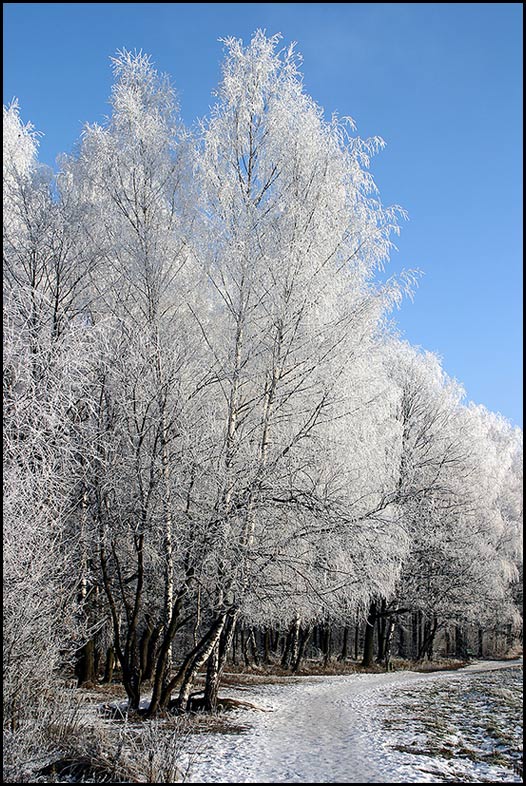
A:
(450, 483)
(207, 420)
(46, 364)
(291, 236)
(133, 174)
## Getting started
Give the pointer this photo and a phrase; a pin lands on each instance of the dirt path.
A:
(322, 729)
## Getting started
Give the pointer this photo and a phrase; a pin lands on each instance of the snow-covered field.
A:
(401, 727)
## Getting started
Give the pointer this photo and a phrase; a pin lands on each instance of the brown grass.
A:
(424, 666)
(274, 674)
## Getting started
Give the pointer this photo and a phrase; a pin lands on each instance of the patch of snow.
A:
(330, 730)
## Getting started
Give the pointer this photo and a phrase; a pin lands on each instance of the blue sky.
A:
(440, 82)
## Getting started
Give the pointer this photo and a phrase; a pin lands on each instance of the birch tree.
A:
(292, 234)
(134, 172)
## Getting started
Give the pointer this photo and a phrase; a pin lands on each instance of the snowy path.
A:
(318, 729)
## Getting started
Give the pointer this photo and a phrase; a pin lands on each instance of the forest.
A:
(219, 451)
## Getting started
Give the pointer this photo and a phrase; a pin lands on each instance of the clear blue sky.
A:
(440, 82)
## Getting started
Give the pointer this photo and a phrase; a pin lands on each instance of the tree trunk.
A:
(109, 665)
(381, 625)
(149, 667)
(197, 620)
(212, 680)
(235, 644)
(390, 624)
(163, 661)
(402, 641)
(217, 661)
(480, 642)
(420, 625)
(460, 643)
(447, 637)
(85, 666)
(131, 679)
(253, 646)
(415, 634)
(345, 642)
(244, 647)
(380, 640)
(286, 656)
(129, 655)
(267, 645)
(368, 644)
(187, 672)
(166, 497)
(304, 637)
(144, 644)
(422, 640)
(431, 639)
(199, 660)
(327, 645)
(294, 643)
(428, 639)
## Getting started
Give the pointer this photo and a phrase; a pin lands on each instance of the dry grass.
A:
(249, 679)
(274, 674)
(130, 753)
(333, 667)
(424, 666)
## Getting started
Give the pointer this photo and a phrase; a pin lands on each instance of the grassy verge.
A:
(462, 729)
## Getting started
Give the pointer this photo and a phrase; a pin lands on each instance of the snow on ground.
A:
(358, 728)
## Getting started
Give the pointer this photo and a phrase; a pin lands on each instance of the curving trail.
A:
(317, 730)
